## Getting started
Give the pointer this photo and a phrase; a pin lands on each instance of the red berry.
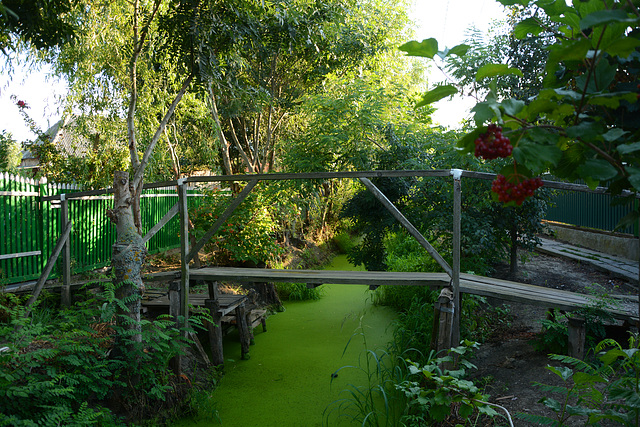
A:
(493, 144)
(508, 191)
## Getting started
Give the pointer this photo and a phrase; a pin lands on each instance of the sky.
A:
(445, 20)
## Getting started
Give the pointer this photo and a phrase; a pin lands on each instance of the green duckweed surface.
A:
(287, 381)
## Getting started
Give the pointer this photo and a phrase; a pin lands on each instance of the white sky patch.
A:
(447, 21)
(39, 90)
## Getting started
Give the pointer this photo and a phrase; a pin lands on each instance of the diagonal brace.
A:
(222, 219)
(407, 225)
(165, 219)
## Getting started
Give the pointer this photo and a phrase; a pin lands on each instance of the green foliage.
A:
(595, 392)
(64, 369)
(43, 24)
(583, 122)
(10, 152)
(297, 292)
(247, 237)
(487, 227)
(554, 337)
(436, 388)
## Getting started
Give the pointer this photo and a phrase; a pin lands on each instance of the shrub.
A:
(606, 390)
(297, 292)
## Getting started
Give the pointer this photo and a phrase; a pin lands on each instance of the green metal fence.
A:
(591, 210)
(29, 225)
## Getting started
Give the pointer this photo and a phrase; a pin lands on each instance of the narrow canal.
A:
(287, 381)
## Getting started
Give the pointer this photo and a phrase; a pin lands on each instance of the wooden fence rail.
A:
(31, 217)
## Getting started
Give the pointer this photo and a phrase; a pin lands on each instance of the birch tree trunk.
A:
(128, 257)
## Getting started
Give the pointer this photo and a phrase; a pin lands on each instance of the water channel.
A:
(288, 380)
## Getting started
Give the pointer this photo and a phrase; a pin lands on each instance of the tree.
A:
(584, 122)
(43, 24)
(264, 59)
(10, 152)
(500, 46)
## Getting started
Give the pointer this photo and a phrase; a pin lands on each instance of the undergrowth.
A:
(605, 390)
(65, 367)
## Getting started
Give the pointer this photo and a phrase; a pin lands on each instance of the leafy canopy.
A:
(584, 122)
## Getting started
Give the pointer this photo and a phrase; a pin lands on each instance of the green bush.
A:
(66, 369)
(248, 236)
(433, 389)
(297, 292)
(606, 390)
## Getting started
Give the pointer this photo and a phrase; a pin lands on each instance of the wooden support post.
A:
(184, 249)
(243, 331)
(455, 276)
(252, 339)
(65, 291)
(577, 337)
(215, 332)
(445, 322)
(47, 268)
(174, 311)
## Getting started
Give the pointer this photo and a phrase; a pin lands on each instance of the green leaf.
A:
(603, 17)
(514, 2)
(612, 100)
(605, 73)
(467, 142)
(569, 50)
(598, 169)
(586, 131)
(493, 70)
(459, 50)
(613, 134)
(483, 113)
(427, 48)
(436, 94)
(622, 47)
(634, 175)
(526, 27)
(537, 157)
(512, 106)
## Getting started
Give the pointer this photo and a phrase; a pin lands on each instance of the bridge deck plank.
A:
(469, 283)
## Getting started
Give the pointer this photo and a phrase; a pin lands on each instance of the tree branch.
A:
(139, 171)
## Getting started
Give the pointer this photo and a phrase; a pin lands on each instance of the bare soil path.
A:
(509, 364)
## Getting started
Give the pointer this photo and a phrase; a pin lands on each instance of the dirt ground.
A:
(509, 364)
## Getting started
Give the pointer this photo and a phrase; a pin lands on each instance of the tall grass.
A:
(298, 292)
(373, 400)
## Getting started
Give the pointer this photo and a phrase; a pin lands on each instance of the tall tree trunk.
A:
(127, 257)
(224, 143)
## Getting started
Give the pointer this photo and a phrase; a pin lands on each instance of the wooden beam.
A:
(407, 225)
(184, 251)
(65, 292)
(457, 237)
(48, 267)
(221, 220)
(165, 219)
(20, 255)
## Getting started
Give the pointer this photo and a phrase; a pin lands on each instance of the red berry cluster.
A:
(492, 144)
(22, 104)
(508, 191)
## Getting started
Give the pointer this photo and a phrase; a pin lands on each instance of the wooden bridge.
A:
(451, 281)
(469, 284)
